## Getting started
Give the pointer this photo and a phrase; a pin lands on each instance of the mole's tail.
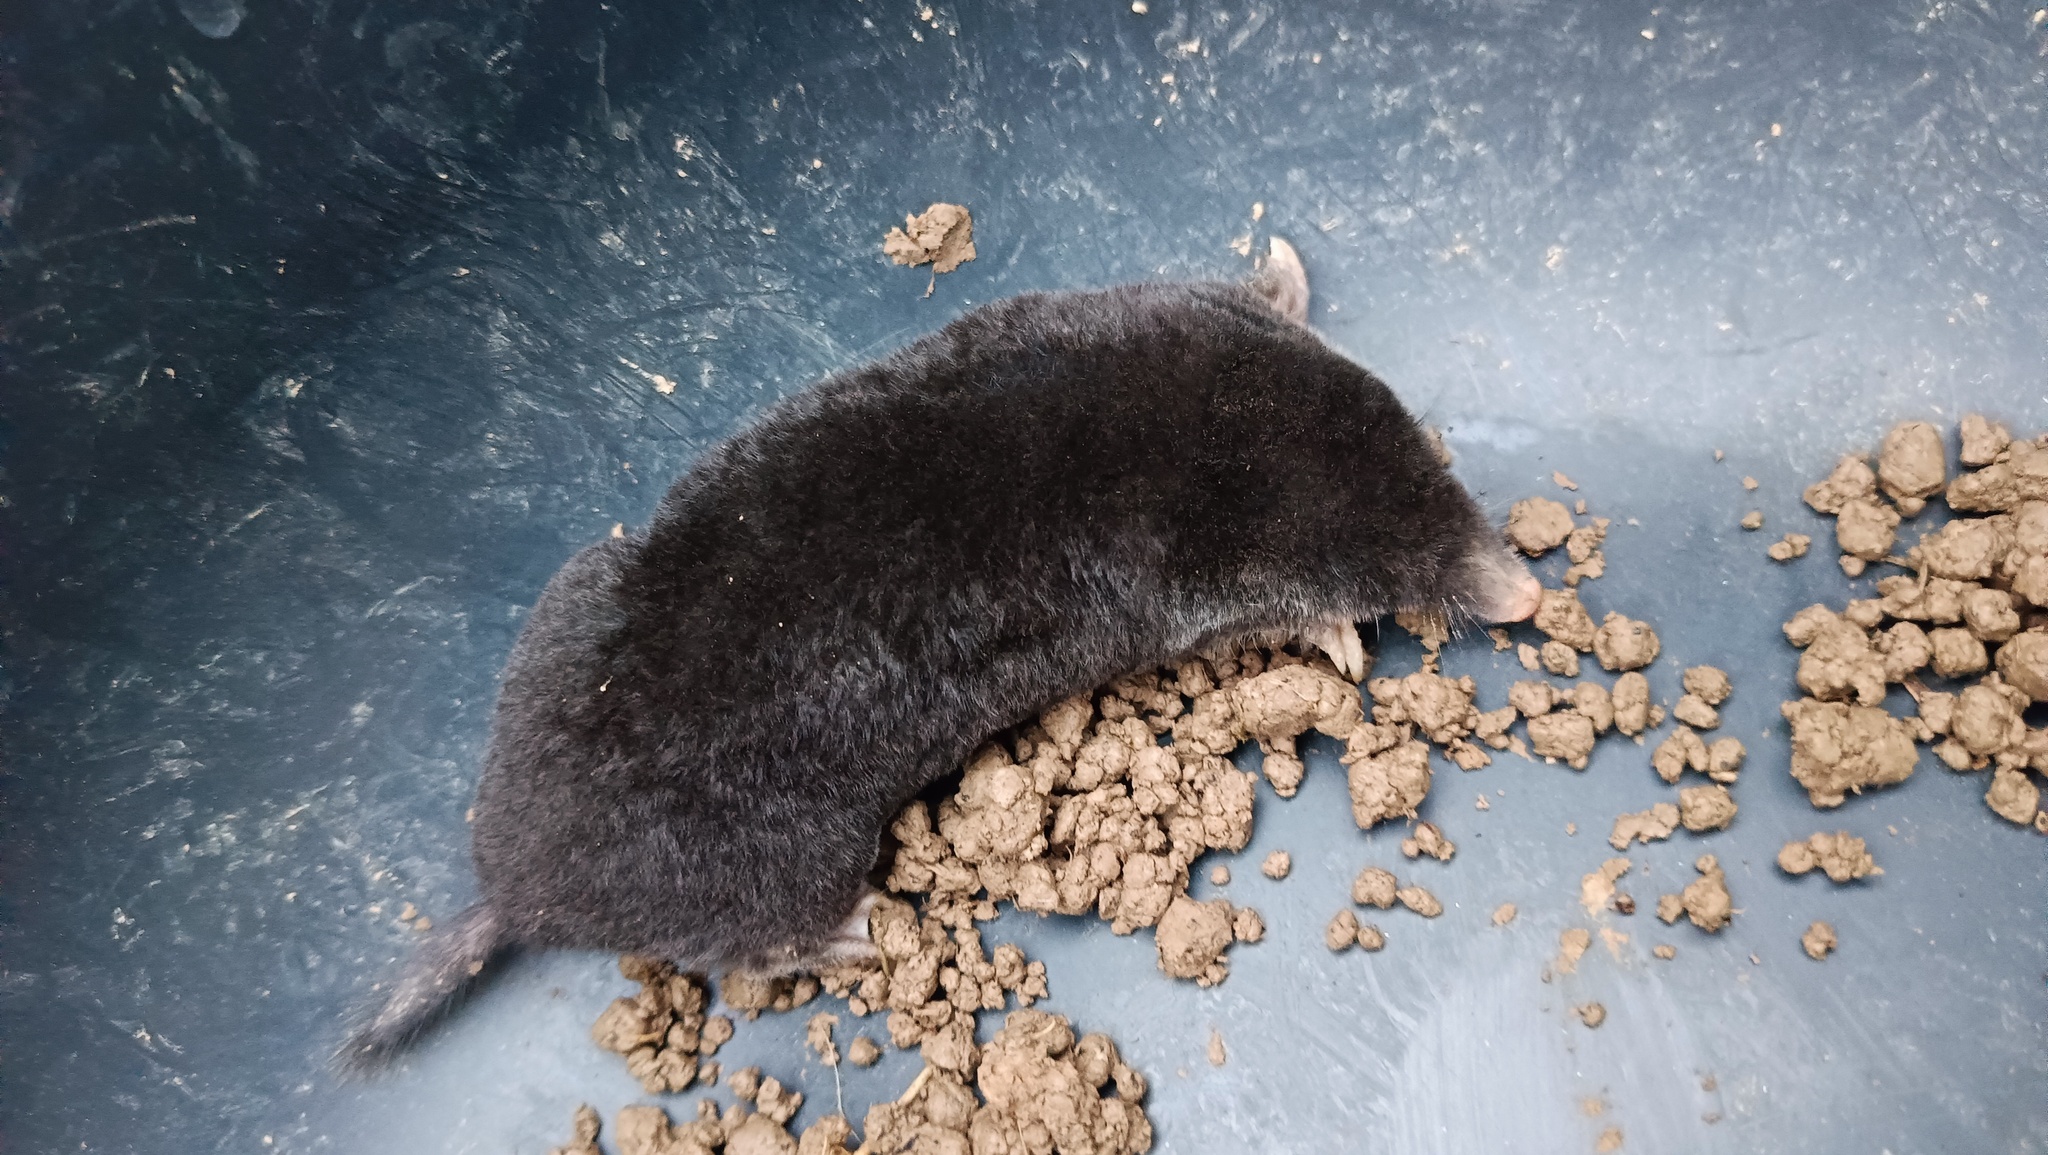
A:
(439, 972)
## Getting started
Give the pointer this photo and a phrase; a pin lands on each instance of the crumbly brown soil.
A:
(1035, 1086)
(1085, 811)
(1419, 900)
(587, 1127)
(1596, 890)
(1622, 643)
(1685, 750)
(941, 236)
(1374, 887)
(1968, 609)
(1428, 840)
(1566, 736)
(1789, 547)
(1838, 749)
(1538, 525)
(1652, 825)
(1818, 940)
(1192, 937)
(1102, 806)
(863, 1052)
(1572, 943)
(1562, 617)
(1912, 463)
(662, 1030)
(1841, 856)
(1584, 548)
(1342, 932)
(1704, 808)
(1705, 900)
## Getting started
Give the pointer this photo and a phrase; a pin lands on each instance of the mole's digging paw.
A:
(1340, 641)
(1283, 282)
(852, 944)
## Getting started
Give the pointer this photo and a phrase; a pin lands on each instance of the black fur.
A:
(705, 729)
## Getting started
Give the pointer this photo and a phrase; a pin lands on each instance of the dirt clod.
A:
(1818, 940)
(1342, 932)
(1693, 710)
(1567, 736)
(1572, 943)
(1704, 808)
(1596, 890)
(1789, 547)
(1865, 528)
(1838, 749)
(941, 236)
(1912, 463)
(1652, 825)
(1429, 840)
(1622, 643)
(1983, 439)
(1560, 659)
(1192, 937)
(1841, 856)
(1277, 865)
(1708, 683)
(1538, 525)
(1374, 887)
(1387, 774)
(818, 1037)
(1419, 900)
(1705, 900)
(1633, 712)
(587, 1126)
(662, 1030)
(1852, 479)
(1682, 750)
(1562, 617)
(2013, 797)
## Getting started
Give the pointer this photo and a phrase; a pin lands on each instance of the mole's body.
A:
(705, 728)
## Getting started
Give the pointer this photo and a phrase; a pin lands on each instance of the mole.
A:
(705, 727)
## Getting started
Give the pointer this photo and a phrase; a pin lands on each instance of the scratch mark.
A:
(30, 252)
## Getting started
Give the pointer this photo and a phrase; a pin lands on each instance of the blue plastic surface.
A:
(328, 330)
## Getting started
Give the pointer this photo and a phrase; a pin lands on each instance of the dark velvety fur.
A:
(705, 729)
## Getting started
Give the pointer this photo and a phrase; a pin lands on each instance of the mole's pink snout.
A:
(1520, 601)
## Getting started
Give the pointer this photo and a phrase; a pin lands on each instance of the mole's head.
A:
(1457, 562)
(1437, 550)
(1490, 581)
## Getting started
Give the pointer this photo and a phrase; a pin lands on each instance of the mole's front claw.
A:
(1339, 639)
(854, 943)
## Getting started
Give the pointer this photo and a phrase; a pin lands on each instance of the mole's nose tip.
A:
(1521, 604)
